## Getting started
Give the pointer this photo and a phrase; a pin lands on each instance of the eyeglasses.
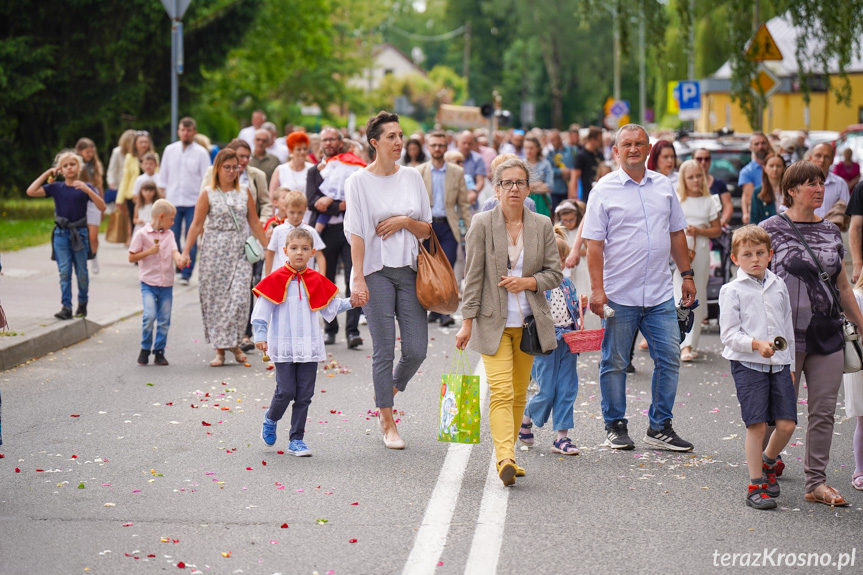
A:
(508, 184)
(702, 159)
(231, 168)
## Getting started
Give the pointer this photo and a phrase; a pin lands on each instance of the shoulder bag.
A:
(437, 289)
(254, 250)
(529, 332)
(853, 352)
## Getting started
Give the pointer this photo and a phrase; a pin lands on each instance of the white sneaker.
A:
(94, 266)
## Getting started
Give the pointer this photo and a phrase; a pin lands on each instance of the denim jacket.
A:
(571, 297)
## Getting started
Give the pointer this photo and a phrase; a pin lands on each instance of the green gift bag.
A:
(459, 404)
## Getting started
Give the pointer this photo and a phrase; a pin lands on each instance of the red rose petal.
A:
(332, 411)
(355, 503)
(181, 565)
(263, 463)
(2, 456)
(40, 470)
(75, 415)
(74, 457)
(248, 468)
(205, 424)
(17, 470)
(194, 406)
(170, 403)
(280, 452)
(175, 540)
(127, 524)
(284, 525)
(150, 555)
(352, 540)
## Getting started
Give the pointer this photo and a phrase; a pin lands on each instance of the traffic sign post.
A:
(175, 10)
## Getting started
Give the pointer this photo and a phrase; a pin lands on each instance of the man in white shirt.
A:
(248, 133)
(279, 147)
(835, 188)
(633, 223)
(184, 164)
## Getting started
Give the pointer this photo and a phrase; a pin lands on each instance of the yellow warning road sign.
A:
(763, 47)
(765, 83)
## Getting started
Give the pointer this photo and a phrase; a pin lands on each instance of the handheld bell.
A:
(780, 343)
(266, 358)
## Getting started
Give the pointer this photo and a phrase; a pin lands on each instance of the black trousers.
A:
(337, 249)
(294, 382)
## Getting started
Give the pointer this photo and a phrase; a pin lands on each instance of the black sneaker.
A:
(618, 436)
(447, 321)
(82, 310)
(758, 498)
(65, 313)
(666, 438)
(159, 357)
(144, 357)
(769, 478)
(329, 339)
(354, 341)
(630, 368)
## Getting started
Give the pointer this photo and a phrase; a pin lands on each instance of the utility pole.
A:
(642, 74)
(615, 15)
(691, 64)
(465, 71)
(175, 10)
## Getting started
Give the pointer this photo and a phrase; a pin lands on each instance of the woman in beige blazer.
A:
(511, 261)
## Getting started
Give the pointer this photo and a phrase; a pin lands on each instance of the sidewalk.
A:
(30, 294)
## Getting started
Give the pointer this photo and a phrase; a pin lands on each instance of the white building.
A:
(387, 60)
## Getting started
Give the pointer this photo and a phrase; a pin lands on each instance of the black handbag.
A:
(853, 353)
(529, 332)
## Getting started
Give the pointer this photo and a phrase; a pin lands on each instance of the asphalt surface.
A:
(120, 474)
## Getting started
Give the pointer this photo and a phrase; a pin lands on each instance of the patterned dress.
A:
(225, 273)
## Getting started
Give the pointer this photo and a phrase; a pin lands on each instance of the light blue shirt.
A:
(750, 174)
(473, 164)
(635, 222)
(438, 177)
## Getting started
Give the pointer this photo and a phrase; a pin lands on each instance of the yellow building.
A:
(786, 109)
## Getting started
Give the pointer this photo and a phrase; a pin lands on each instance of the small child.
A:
(289, 302)
(278, 217)
(754, 310)
(335, 171)
(154, 248)
(70, 239)
(293, 207)
(147, 196)
(149, 165)
(556, 374)
(853, 383)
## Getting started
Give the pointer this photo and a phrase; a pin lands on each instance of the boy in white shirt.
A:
(754, 313)
(149, 163)
(292, 207)
(289, 302)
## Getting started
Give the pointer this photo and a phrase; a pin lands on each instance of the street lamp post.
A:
(175, 10)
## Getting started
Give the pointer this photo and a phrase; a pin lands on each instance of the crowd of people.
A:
(547, 232)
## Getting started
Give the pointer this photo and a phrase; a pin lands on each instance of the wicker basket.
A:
(584, 340)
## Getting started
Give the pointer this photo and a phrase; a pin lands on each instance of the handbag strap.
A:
(821, 273)
(230, 209)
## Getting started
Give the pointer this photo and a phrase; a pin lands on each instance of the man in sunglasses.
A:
(716, 186)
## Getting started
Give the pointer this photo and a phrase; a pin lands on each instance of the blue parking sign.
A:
(688, 95)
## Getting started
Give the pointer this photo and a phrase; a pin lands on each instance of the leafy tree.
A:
(92, 68)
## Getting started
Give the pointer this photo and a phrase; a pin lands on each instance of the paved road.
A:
(136, 483)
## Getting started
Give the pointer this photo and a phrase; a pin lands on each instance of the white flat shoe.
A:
(394, 443)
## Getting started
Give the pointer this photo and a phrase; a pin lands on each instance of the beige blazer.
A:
(484, 301)
(257, 185)
(455, 192)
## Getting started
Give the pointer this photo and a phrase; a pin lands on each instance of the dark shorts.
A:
(764, 397)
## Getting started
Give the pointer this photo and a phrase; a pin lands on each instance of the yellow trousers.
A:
(508, 375)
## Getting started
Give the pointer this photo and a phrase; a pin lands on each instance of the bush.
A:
(27, 209)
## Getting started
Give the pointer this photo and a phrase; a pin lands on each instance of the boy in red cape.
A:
(289, 302)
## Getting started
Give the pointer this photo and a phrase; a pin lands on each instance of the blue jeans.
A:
(157, 309)
(67, 259)
(659, 326)
(557, 378)
(184, 213)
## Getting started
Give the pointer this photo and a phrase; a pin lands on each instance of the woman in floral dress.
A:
(225, 274)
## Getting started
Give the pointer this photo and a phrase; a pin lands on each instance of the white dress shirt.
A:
(749, 310)
(835, 190)
(635, 221)
(280, 236)
(181, 173)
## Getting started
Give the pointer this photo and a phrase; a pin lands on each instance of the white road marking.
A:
(432, 535)
(488, 536)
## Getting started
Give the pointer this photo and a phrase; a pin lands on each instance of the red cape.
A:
(319, 290)
(348, 158)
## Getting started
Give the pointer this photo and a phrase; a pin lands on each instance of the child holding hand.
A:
(754, 312)
(289, 302)
(154, 249)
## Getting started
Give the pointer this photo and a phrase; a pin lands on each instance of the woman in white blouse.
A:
(387, 213)
(702, 217)
(292, 174)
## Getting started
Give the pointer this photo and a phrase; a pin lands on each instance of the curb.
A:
(42, 341)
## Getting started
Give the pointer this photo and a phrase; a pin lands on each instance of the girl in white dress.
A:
(702, 216)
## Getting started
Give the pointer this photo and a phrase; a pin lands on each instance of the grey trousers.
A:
(823, 380)
(393, 296)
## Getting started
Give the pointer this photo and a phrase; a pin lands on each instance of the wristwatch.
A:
(688, 274)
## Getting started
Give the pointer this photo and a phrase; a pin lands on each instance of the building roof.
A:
(785, 35)
(376, 51)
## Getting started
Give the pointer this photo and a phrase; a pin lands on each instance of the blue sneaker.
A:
(268, 433)
(299, 448)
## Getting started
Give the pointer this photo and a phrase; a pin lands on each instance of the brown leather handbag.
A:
(437, 289)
